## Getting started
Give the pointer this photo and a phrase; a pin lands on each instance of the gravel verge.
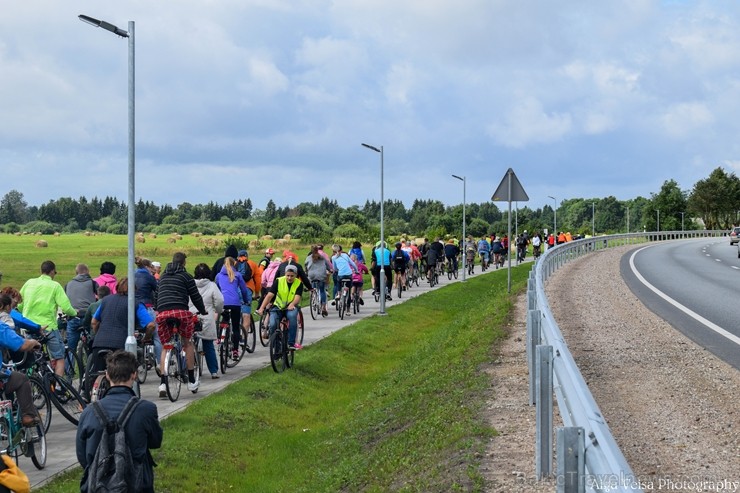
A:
(671, 405)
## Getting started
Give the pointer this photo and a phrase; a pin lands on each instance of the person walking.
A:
(143, 431)
(213, 300)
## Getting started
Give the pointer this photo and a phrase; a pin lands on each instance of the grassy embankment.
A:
(388, 404)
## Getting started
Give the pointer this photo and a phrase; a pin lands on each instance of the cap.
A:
(154, 264)
(242, 253)
(269, 251)
(291, 268)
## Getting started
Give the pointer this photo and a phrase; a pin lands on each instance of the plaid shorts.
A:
(187, 324)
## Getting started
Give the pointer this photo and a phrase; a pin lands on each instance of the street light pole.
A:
(462, 179)
(658, 211)
(381, 276)
(593, 219)
(555, 232)
(682, 221)
(130, 340)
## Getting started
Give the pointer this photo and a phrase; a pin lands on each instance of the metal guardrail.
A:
(589, 458)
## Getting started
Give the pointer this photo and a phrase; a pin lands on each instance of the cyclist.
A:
(286, 291)
(521, 247)
(423, 249)
(146, 292)
(110, 324)
(81, 291)
(232, 285)
(357, 280)
(536, 245)
(498, 250)
(344, 266)
(318, 269)
(13, 381)
(176, 289)
(252, 278)
(484, 250)
(357, 251)
(431, 259)
(400, 260)
(381, 256)
(451, 253)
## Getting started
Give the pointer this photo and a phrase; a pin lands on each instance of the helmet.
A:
(269, 251)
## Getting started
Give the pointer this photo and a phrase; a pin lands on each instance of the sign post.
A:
(510, 190)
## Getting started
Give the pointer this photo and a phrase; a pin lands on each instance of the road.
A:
(695, 286)
(61, 454)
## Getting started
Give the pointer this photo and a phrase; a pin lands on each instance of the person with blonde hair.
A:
(234, 288)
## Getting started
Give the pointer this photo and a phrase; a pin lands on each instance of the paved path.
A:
(60, 441)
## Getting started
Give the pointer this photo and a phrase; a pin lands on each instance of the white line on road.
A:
(716, 328)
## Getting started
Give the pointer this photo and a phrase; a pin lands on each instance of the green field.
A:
(388, 404)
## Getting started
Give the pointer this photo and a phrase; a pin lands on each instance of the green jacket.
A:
(42, 297)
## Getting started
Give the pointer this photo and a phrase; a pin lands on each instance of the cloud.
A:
(685, 119)
(526, 123)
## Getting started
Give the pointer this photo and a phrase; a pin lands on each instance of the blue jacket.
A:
(143, 432)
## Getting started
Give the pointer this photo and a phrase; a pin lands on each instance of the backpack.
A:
(113, 468)
(245, 270)
(399, 259)
(268, 276)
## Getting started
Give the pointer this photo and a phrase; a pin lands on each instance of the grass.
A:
(387, 404)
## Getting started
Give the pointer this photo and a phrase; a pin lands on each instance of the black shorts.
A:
(400, 269)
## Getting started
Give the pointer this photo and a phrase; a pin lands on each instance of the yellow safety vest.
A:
(285, 293)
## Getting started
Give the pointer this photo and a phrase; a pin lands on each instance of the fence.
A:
(589, 458)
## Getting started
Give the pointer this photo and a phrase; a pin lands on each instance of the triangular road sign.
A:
(510, 182)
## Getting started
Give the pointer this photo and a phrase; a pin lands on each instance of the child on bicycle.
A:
(357, 279)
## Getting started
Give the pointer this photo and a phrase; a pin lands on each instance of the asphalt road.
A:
(695, 286)
(61, 455)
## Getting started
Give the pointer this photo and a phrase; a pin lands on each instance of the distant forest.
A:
(713, 203)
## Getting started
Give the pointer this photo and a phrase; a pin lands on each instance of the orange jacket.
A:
(256, 279)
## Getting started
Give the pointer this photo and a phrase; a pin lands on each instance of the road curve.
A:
(695, 286)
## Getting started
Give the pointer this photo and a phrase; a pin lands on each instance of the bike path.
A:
(60, 441)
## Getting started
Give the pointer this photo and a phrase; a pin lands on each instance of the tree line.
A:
(713, 203)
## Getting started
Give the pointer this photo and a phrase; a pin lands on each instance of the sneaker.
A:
(30, 421)
(162, 390)
(324, 313)
(295, 347)
(193, 386)
(388, 297)
(235, 354)
(333, 302)
(403, 288)
(215, 376)
(362, 302)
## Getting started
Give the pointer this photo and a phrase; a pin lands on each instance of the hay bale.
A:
(140, 239)
(171, 240)
(152, 235)
(266, 238)
(87, 233)
(241, 234)
(253, 244)
(41, 244)
(57, 233)
(280, 243)
(287, 237)
(17, 233)
(196, 235)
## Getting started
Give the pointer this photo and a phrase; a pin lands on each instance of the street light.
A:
(555, 232)
(462, 179)
(130, 340)
(682, 213)
(381, 276)
(658, 211)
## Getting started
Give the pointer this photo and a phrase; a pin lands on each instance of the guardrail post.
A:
(531, 293)
(533, 340)
(571, 460)
(543, 435)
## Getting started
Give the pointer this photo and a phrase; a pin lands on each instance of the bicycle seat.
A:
(172, 322)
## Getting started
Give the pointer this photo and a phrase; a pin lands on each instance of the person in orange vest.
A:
(561, 238)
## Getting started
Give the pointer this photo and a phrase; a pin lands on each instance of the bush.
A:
(42, 227)
(348, 231)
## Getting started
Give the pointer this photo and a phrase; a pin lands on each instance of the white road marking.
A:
(710, 325)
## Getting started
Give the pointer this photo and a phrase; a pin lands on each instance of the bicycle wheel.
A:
(299, 327)
(355, 303)
(265, 329)
(341, 306)
(65, 397)
(315, 305)
(100, 387)
(5, 436)
(37, 448)
(141, 369)
(198, 357)
(376, 295)
(41, 401)
(454, 273)
(224, 348)
(449, 271)
(73, 368)
(231, 360)
(172, 369)
(278, 348)
(250, 338)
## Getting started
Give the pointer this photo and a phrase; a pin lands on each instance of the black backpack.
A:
(113, 468)
(399, 259)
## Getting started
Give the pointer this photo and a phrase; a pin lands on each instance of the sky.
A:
(272, 99)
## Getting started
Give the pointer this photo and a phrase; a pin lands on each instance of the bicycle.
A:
(315, 300)
(264, 327)
(450, 268)
(355, 300)
(470, 262)
(144, 357)
(399, 283)
(413, 274)
(175, 363)
(15, 440)
(40, 396)
(226, 346)
(74, 368)
(61, 393)
(281, 356)
(342, 303)
(483, 261)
